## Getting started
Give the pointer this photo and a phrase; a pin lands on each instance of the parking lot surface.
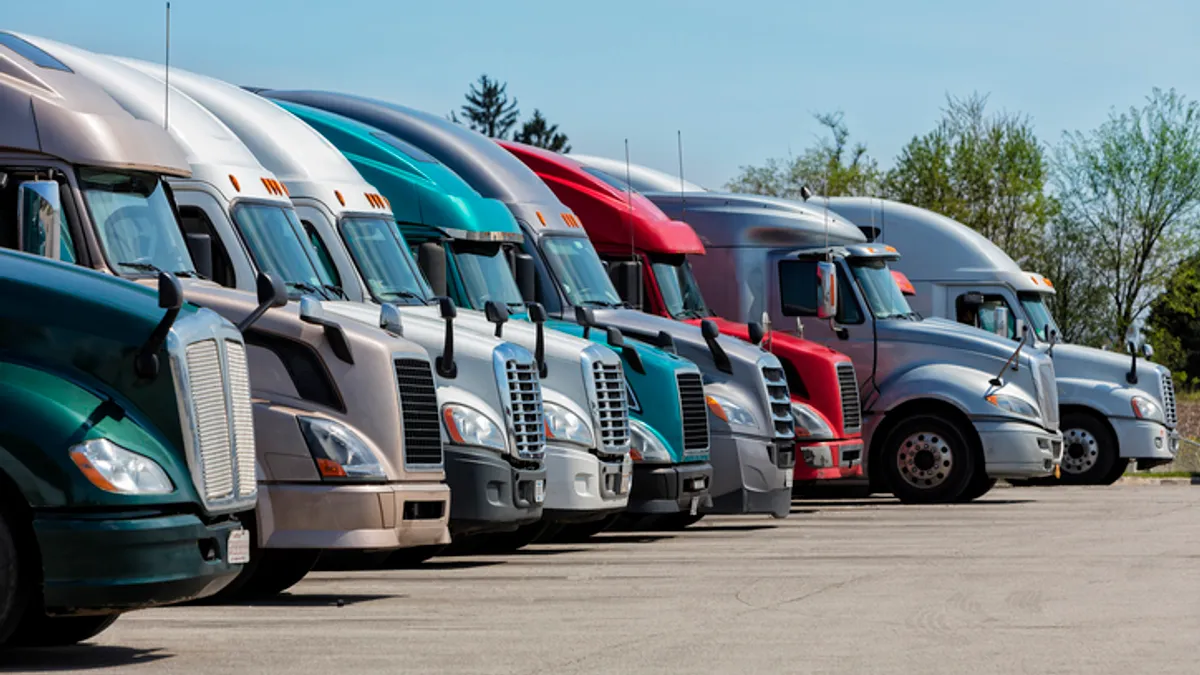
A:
(1065, 580)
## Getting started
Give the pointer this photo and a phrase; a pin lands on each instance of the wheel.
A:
(979, 485)
(1119, 468)
(408, 558)
(39, 630)
(14, 587)
(1090, 452)
(926, 459)
(571, 534)
(278, 570)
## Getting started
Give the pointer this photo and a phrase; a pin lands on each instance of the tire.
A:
(979, 485)
(927, 460)
(277, 571)
(39, 630)
(1119, 468)
(1090, 453)
(412, 557)
(14, 586)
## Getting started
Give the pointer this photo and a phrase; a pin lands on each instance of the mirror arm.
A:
(720, 358)
(998, 380)
(1132, 377)
(145, 364)
(445, 363)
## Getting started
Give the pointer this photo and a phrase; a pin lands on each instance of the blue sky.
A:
(740, 79)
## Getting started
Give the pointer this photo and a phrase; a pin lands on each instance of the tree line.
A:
(1111, 215)
(490, 111)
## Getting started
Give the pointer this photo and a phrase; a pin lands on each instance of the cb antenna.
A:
(882, 221)
(682, 192)
(629, 214)
(167, 76)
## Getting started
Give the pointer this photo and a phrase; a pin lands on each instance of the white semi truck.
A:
(1114, 408)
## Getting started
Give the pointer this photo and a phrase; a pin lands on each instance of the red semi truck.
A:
(646, 253)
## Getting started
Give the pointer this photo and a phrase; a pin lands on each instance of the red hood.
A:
(612, 217)
(783, 345)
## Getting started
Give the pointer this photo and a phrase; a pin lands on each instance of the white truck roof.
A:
(642, 178)
(936, 248)
(308, 164)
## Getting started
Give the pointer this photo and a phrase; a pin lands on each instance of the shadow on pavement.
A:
(630, 538)
(77, 657)
(452, 564)
(313, 600)
(729, 528)
(818, 503)
(543, 550)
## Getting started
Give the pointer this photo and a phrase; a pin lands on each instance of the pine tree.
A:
(538, 132)
(488, 109)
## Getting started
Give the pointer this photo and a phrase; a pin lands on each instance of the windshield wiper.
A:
(141, 266)
(336, 290)
(601, 303)
(407, 295)
(303, 286)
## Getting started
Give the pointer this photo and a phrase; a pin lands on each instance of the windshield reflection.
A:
(277, 243)
(383, 261)
(485, 275)
(1038, 314)
(679, 289)
(136, 224)
(880, 289)
(580, 273)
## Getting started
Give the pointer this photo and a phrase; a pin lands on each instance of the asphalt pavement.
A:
(1028, 580)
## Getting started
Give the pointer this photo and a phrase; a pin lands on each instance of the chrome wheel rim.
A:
(1081, 452)
(925, 460)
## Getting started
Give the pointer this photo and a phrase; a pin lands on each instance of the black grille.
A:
(419, 410)
(851, 410)
(780, 402)
(695, 412)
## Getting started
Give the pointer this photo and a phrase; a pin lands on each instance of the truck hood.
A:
(1088, 363)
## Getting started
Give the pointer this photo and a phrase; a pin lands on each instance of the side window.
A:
(798, 287)
(848, 311)
(323, 256)
(983, 316)
(195, 222)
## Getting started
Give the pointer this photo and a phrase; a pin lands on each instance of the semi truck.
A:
(126, 451)
(948, 409)
(647, 257)
(343, 459)
(752, 433)
(589, 471)
(1114, 408)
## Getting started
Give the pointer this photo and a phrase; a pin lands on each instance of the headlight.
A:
(730, 412)
(467, 426)
(810, 425)
(339, 452)
(644, 445)
(1014, 405)
(564, 425)
(1146, 409)
(114, 469)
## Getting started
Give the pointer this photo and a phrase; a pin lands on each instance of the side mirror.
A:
(389, 320)
(272, 292)
(805, 193)
(585, 317)
(445, 363)
(537, 314)
(710, 332)
(1000, 322)
(826, 290)
(526, 275)
(496, 313)
(200, 249)
(1022, 328)
(665, 342)
(431, 258)
(39, 212)
(1147, 351)
(615, 337)
(170, 292)
(311, 311)
(756, 333)
(170, 298)
(626, 277)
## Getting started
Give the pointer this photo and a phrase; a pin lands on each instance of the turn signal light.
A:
(340, 198)
(330, 468)
(236, 186)
(716, 408)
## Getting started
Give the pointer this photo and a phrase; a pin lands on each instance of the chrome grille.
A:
(1167, 387)
(243, 415)
(212, 418)
(612, 407)
(694, 412)
(1048, 393)
(419, 413)
(525, 398)
(848, 385)
(780, 402)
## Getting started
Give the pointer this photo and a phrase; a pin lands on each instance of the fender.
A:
(962, 387)
(1105, 397)
(45, 413)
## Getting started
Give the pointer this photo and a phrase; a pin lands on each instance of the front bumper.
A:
(750, 475)
(490, 495)
(121, 561)
(580, 487)
(829, 460)
(364, 516)
(1017, 450)
(670, 488)
(1145, 440)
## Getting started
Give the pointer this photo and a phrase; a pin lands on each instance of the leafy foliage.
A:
(832, 167)
(538, 132)
(1174, 323)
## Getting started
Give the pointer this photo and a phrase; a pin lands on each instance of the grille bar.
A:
(780, 402)
(1167, 386)
(243, 416)
(1048, 393)
(851, 405)
(212, 418)
(694, 411)
(419, 413)
(612, 405)
(525, 397)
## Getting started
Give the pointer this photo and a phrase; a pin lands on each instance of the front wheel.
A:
(14, 587)
(927, 460)
(279, 570)
(1090, 451)
(39, 630)
(979, 485)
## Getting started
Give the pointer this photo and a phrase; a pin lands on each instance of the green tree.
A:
(1132, 187)
(833, 167)
(1174, 322)
(1080, 300)
(538, 132)
(987, 171)
(488, 109)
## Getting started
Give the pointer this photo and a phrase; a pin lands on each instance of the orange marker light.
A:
(890, 249)
(330, 468)
(340, 198)
(541, 218)
(716, 408)
(236, 186)
(285, 190)
(98, 479)
(451, 427)
(1047, 282)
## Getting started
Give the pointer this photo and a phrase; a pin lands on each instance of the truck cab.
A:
(339, 463)
(1114, 408)
(489, 390)
(126, 450)
(948, 409)
(647, 258)
(583, 385)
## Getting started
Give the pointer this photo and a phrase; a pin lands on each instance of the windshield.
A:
(680, 292)
(1038, 313)
(880, 289)
(485, 275)
(276, 240)
(384, 261)
(580, 272)
(136, 224)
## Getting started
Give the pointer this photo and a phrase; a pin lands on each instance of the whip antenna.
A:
(167, 75)
(629, 215)
(682, 198)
